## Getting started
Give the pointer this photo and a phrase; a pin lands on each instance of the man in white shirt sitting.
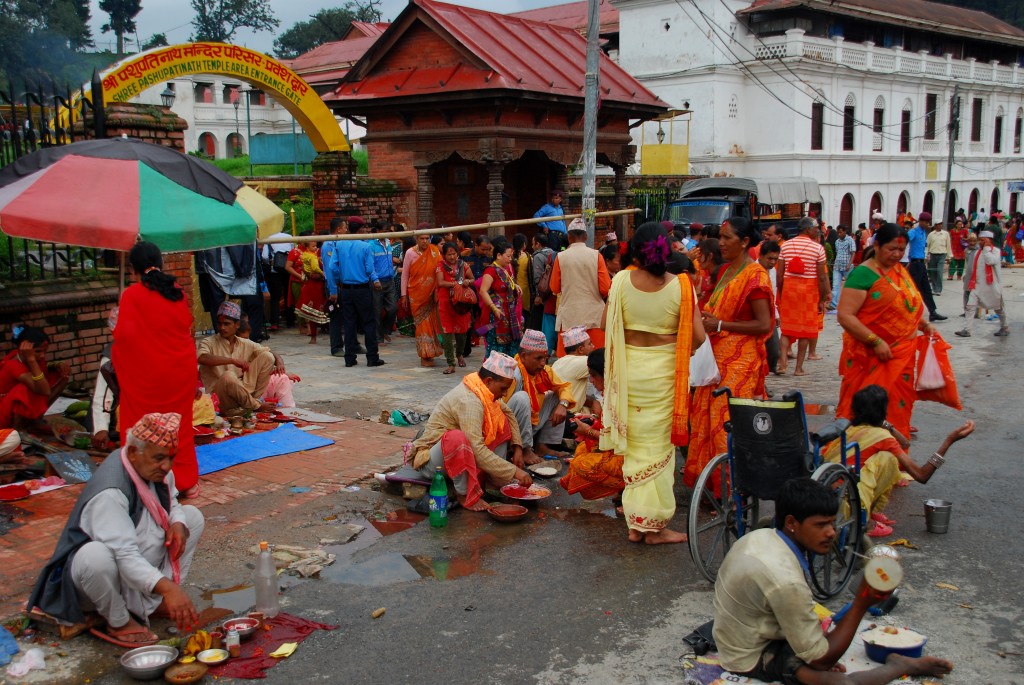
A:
(128, 545)
(765, 625)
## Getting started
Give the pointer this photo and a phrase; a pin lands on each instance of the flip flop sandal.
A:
(107, 637)
(880, 530)
(879, 517)
(450, 369)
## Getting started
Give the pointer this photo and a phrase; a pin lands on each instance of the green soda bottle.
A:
(438, 497)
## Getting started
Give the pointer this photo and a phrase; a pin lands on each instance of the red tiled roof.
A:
(500, 53)
(919, 14)
(365, 29)
(331, 56)
(574, 15)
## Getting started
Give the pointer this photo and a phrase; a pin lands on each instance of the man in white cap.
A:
(128, 545)
(984, 281)
(580, 277)
(235, 368)
(472, 435)
(572, 368)
(540, 400)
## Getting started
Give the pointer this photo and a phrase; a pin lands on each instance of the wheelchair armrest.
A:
(830, 431)
(791, 396)
(718, 391)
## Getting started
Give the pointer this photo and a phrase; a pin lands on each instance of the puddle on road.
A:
(396, 521)
(239, 599)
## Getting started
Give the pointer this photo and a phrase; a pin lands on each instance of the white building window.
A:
(878, 124)
(849, 122)
(905, 119)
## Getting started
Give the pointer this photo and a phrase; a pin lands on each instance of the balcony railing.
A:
(872, 58)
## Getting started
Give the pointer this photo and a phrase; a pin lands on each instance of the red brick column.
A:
(334, 189)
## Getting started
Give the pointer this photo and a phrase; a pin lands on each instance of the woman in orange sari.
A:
(880, 312)
(418, 285)
(738, 318)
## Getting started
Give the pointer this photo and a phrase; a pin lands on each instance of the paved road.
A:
(563, 598)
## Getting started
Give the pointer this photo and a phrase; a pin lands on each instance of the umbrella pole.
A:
(120, 277)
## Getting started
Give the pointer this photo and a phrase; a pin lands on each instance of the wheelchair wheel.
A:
(831, 572)
(714, 523)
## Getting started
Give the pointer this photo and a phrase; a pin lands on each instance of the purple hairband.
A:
(656, 251)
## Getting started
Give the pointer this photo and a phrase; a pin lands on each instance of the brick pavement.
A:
(361, 448)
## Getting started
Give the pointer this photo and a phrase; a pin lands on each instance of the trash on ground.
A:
(947, 586)
(32, 660)
(377, 613)
(285, 650)
(903, 542)
(304, 561)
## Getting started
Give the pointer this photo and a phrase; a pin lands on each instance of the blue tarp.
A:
(285, 439)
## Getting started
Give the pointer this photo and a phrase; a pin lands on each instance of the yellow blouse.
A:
(523, 278)
(656, 312)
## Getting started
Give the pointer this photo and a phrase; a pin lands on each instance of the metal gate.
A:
(35, 117)
(651, 202)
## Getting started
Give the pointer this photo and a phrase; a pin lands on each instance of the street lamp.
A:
(236, 103)
(247, 89)
(661, 134)
(167, 96)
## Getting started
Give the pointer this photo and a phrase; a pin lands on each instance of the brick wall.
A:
(74, 315)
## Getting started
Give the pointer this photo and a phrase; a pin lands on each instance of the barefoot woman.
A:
(651, 327)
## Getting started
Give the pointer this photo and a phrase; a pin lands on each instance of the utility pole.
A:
(591, 94)
(954, 125)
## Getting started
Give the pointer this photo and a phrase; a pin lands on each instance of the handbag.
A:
(463, 296)
(704, 366)
(279, 261)
(701, 640)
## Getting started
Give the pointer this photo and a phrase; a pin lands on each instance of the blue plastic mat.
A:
(285, 439)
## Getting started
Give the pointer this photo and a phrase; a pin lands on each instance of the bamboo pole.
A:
(434, 231)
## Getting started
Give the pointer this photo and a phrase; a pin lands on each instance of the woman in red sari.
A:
(738, 318)
(454, 323)
(419, 283)
(880, 312)
(154, 356)
(28, 383)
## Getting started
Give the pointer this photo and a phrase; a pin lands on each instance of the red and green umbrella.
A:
(114, 192)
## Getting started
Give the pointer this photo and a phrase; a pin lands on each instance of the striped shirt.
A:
(801, 255)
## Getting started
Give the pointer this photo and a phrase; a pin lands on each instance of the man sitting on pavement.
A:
(219, 357)
(539, 399)
(765, 625)
(470, 434)
(128, 545)
(573, 366)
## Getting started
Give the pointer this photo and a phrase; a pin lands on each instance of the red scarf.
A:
(990, 272)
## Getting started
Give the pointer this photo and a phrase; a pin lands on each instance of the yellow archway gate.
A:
(128, 78)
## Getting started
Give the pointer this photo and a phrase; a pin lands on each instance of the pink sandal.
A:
(880, 530)
(879, 517)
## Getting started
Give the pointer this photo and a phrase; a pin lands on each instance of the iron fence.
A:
(38, 116)
(652, 202)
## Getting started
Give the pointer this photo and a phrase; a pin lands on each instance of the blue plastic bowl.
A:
(880, 654)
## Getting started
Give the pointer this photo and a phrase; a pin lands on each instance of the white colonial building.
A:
(854, 93)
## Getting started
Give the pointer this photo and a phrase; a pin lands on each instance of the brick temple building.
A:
(481, 114)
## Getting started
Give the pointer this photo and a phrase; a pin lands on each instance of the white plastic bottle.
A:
(266, 583)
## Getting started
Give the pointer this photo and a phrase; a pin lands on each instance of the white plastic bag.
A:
(33, 659)
(279, 391)
(704, 366)
(930, 377)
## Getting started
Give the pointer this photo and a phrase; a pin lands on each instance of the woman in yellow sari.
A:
(739, 318)
(418, 286)
(652, 326)
(880, 312)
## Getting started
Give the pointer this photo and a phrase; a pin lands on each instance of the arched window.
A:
(997, 131)
(1017, 130)
(902, 202)
(876, 205)
(849, 122)
(846, 211)
(929, 203)
(878, 124)
(818, 122)
(208, 145)
(905, 119)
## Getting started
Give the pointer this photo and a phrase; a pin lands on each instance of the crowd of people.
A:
(582, 347)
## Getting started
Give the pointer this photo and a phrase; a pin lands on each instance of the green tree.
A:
(41, 37)
(219, 20)
(155, 41)
(122, 19)
(323, 27)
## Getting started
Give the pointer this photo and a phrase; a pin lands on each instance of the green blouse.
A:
(861, 278)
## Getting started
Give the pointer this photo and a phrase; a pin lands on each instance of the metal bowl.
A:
(507, 513)
(212, 657)
(245, 626)
(148, 663)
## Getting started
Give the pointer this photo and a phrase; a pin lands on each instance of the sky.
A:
(174, 18)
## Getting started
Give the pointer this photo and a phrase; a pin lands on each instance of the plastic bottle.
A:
(233, 643)
(438, 500)
(266, 583)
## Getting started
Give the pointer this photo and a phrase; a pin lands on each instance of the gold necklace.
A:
(906, 299)
(716, 294)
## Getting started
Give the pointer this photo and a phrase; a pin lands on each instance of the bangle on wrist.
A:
(719, 326)
(873, 340)
(937, 460)
(39, 377)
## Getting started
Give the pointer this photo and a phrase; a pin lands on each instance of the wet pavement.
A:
(561, 597)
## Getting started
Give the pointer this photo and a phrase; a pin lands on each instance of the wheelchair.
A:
(769, 444)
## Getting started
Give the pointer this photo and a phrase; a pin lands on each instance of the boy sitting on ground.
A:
(765, 625)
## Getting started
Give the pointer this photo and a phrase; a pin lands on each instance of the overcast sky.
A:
(174, 18)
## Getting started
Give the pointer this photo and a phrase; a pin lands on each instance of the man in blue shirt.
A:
(385, 300)
(917, 238)
(339, 226)
(351, 270)
(554, 209)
